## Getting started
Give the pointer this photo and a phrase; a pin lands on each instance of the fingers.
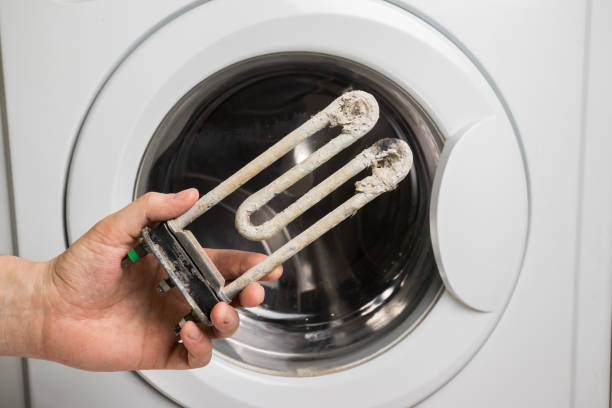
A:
(195, 351)
(224, 319)
(124, 226)
(251, 296)
(274, 274)
(232, 263)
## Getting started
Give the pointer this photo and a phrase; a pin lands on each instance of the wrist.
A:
(21, 306)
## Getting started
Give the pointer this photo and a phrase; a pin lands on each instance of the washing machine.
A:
(483, 280)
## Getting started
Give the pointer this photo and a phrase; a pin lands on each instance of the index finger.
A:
(233, 263)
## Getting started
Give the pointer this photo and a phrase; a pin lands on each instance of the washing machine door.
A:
(363, 318)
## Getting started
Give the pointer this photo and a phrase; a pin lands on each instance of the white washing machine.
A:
(484, 280)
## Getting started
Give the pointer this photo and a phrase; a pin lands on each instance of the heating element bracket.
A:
(188, 268)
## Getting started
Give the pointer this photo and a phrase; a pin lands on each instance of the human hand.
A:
(100, 316)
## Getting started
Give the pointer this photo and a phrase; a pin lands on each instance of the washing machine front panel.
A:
(466, 215)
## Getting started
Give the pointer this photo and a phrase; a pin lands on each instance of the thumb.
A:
(124, 226)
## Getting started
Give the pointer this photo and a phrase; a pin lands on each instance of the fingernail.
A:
(195, 334)
(185, 194)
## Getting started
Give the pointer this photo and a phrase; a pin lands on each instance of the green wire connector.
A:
(133, 256)
(137, 253)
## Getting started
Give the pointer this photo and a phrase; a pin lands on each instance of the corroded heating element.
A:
(186, 262)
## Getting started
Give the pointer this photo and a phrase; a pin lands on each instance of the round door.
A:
(383, 309)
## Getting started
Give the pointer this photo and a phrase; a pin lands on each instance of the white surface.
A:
(11, 383)
(58, 386)
(533, 52)
(593, 285)
(11, 375)
(479, 213)
(6, 239)
(132, 105)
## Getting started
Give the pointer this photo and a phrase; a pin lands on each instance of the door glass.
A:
(365, 284)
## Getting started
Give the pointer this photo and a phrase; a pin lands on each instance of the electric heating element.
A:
(186, 262)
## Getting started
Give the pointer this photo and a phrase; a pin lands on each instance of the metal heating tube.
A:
(356, 111)
(390, 160)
